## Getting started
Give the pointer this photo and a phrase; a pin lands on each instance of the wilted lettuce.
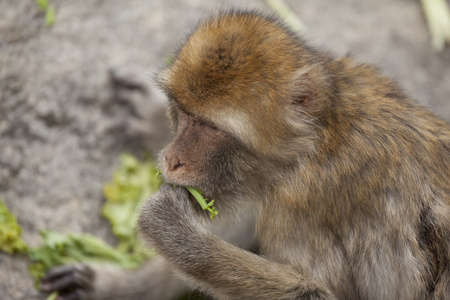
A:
(132, 183)
(10, 239)
(49, 10)
(58, 249)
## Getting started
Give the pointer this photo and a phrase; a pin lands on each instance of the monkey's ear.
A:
(311, 90)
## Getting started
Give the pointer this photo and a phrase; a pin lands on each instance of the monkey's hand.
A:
(168, 218)
(71, 281)
(154, 280)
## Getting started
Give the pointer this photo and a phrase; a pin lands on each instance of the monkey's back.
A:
(375, 194)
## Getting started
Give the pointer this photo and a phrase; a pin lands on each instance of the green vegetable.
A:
(49, 10)
(132, 183)
(10, 232)
(52, 296)
(169, 60)
(202, 201)
(57, 249)
(42, 4)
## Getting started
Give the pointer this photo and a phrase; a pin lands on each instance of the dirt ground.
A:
(61, 125)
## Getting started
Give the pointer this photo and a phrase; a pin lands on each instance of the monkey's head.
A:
(242, 87)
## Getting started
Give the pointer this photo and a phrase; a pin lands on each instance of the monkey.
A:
(343, 179)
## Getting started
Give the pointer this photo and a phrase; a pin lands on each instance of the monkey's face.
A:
(199, 154)
(231, 74)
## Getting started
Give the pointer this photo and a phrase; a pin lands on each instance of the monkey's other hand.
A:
(72, 282)
(168, 218)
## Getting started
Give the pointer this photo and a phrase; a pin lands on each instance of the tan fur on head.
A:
(341, 179)
(245, 86)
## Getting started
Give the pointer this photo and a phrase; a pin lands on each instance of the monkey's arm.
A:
(168, 221)
(153, 280)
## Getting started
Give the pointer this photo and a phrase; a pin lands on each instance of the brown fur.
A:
(353, 185)
(237, 79)
(348, 177)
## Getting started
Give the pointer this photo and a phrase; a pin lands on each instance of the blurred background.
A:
(62, 121)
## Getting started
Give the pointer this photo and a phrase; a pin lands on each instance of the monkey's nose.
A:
(173, 163)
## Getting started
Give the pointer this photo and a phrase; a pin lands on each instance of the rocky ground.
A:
(63, 121)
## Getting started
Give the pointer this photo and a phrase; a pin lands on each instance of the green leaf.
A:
(57, 249)
(10, 232)
(50, 15)
(42, 4)
(169, 60)
(52, 296)
(202, 201)
(133, 182)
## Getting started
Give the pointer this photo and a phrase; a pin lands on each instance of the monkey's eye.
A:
(209, 124)
(202, 123)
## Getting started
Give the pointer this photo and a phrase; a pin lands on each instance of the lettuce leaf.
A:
(10, 232)
(132, 183)
(58, 249)
(197, 193)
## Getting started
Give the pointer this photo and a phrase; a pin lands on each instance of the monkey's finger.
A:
(75, 295)
(66, 278)
(60, 271)
(69, 281)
